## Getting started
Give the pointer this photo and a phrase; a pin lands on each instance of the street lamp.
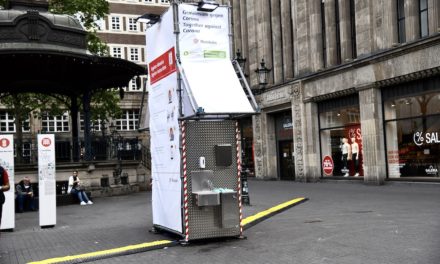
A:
(149, 19)
(207, 5)
(241, 63)
(263, 72)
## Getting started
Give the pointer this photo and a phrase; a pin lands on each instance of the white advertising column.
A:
(164, 125)
(7, 162)
(46, 180)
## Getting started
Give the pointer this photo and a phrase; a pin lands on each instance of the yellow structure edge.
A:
(248, 220)
(104, 252)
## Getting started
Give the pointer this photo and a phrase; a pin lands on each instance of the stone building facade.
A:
(354, 89)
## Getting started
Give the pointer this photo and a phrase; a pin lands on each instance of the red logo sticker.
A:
(46, 142)
(4, 142)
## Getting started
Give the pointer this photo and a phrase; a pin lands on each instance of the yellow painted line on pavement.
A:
(104, 252)
(250, 219)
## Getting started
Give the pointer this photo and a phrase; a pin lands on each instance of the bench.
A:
(68, 198)
(62, 197)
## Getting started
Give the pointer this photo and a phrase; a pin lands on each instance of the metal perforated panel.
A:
(201, 139)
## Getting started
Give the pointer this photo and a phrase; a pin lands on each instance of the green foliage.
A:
(88, 12)
(105, 104)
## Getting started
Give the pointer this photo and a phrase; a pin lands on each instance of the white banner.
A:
(163, 103)
(47, 180)
(205, 53)
(216, 88)
(203, 35)
(7, 162)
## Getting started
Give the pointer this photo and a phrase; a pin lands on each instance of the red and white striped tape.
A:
(185, 182)
(237, 140)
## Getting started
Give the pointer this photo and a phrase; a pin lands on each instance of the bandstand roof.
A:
(47, 53)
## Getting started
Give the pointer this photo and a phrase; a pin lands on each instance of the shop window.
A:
(247, 146)
(412, 130)
(341, 137)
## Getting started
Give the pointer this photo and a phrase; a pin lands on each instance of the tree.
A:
(88, 12)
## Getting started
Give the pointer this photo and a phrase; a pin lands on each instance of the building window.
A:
(412, 129)
(133, 85)
(116, 52)
(27, 151)
(353, 28)
(116, 23)
(58, 123)
(132, 24)
(26, 125)
(100, 24)
(324, 44)
(128, 121)
(338, 33)
(401, 21)
(341, 137)
(423, 14)
(164, 1)
(134, 54)
(148, 1)
(95, 125)
(7, 122)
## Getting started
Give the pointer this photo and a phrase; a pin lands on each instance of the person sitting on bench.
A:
(77, 189)
(25, 195)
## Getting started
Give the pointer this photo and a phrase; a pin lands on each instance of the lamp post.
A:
(116, 141)
(241, 63)
(263, 73)
(207, 5)
(103, 128)
(239, 58)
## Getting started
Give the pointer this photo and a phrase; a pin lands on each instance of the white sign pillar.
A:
(46, 180)
(7, 162)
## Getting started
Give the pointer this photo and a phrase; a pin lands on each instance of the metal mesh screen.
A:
(202, 137)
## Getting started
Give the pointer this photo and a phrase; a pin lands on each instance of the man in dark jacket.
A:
(4, 186)
(25, 195)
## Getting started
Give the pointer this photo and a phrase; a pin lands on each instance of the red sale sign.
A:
(327, 165)
(162, 66)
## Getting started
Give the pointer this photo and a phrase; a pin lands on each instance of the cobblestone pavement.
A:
(343, 222)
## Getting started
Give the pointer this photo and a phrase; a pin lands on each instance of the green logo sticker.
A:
(214, 54)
